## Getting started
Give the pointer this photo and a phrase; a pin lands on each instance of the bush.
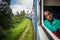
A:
(3, 33)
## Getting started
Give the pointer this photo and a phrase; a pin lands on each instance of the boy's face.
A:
(48, 15)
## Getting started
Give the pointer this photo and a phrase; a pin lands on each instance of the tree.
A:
(8, 1)
(22, 13)
(5, 15)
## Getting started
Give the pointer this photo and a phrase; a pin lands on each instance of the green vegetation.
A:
(14, 27)
(30, 33)
(5, 19)
(5, 15)
(18, 30)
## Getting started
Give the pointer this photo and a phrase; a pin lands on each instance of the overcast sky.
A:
(19, 5)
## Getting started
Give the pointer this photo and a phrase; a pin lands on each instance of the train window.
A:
(50, 12)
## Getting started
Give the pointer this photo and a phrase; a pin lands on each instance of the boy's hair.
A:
(48, 9)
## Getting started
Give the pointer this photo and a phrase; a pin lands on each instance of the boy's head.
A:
(48, 14)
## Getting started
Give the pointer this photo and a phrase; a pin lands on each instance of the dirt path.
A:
(24, 33)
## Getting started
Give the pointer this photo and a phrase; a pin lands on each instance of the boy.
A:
(51, 23)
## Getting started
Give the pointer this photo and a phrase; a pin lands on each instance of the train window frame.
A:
(42, 19)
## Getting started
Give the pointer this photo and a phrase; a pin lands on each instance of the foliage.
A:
(3, 33)
(5, 15)
(7, 20)
(16, 32)
(19, 17)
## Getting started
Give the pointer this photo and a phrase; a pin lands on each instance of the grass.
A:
(14, 33)
(30, 33)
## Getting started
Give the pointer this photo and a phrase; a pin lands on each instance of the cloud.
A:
(19, 8)
(28, 3)
(22, 5)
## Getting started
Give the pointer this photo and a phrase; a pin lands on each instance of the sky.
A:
(0, 0)
(19, 5)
